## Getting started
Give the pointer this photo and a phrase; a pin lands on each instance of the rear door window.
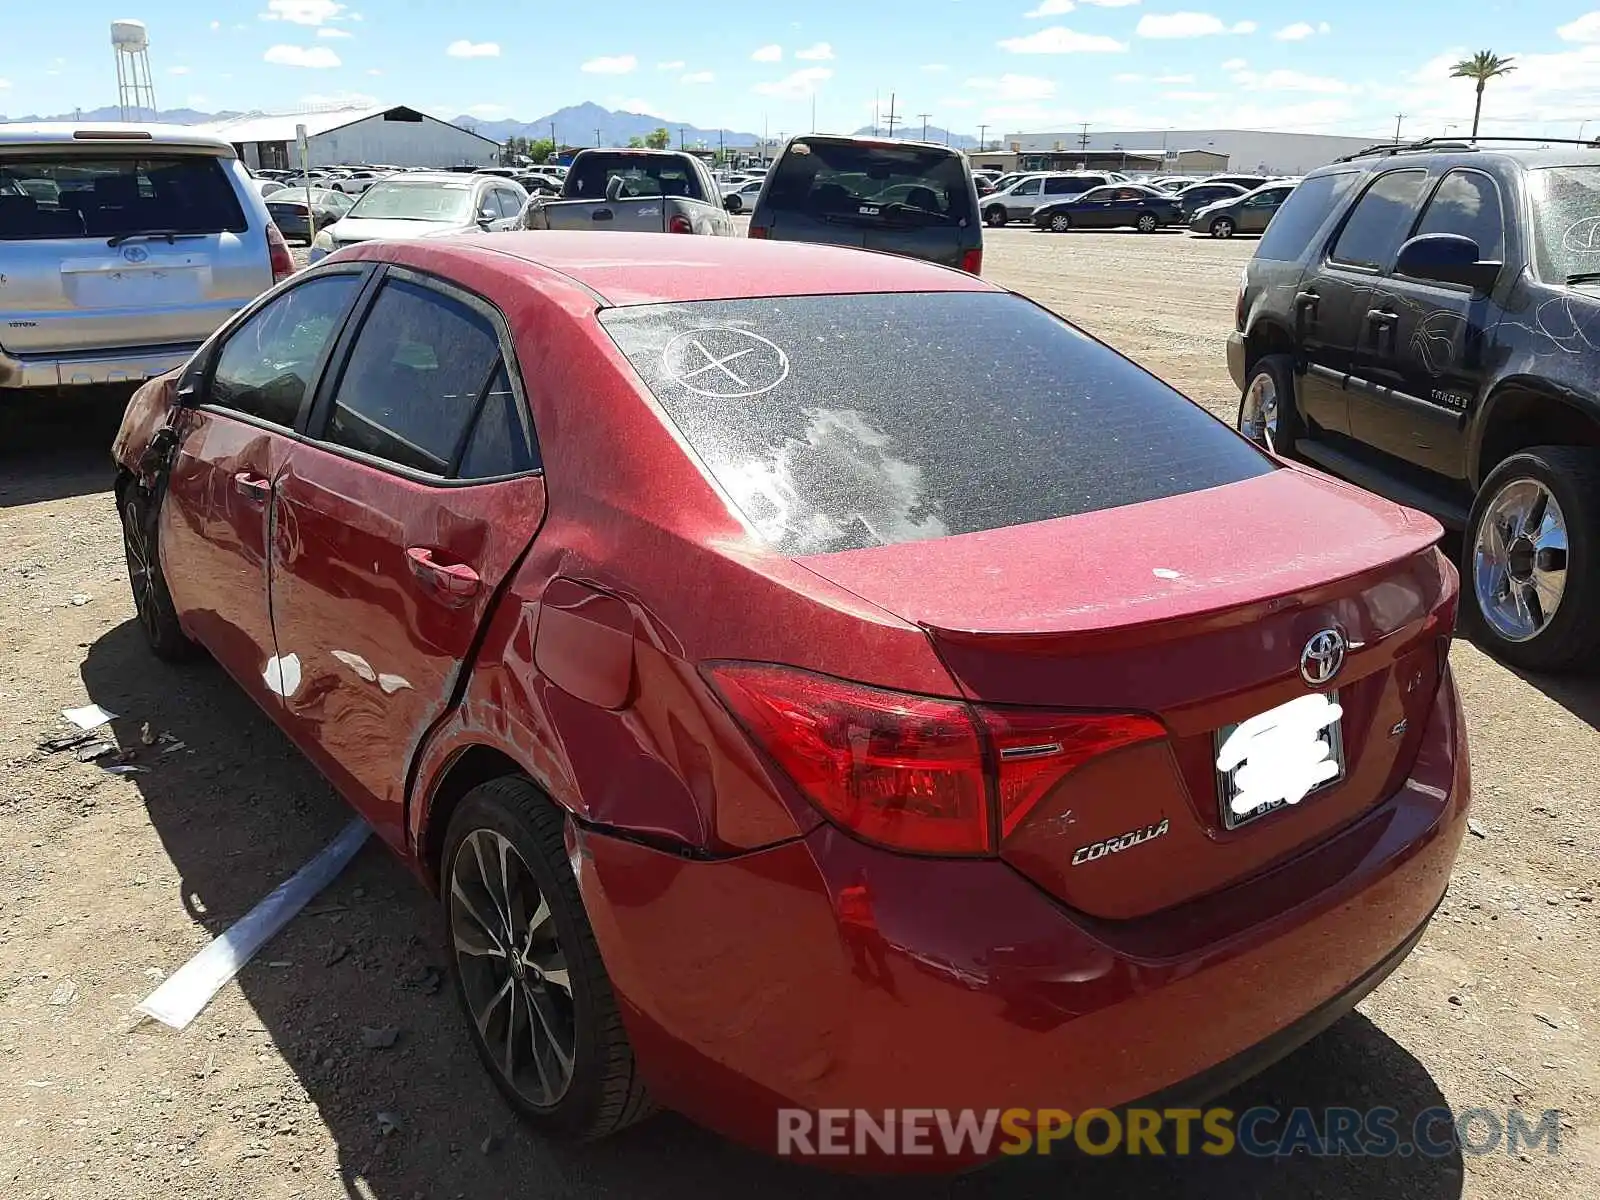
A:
(865, 183)
(64, 195)
(1468, 203)
(1306, 210)
(838, 422)
(1373, 234)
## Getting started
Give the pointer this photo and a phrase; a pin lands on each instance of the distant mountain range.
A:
(913, 131)
(174, 116)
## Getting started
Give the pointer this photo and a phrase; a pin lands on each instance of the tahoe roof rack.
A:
(1458, 145)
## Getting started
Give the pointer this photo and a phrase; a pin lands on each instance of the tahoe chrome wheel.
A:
(1519, 560)
(1258, 414)
(513, 969)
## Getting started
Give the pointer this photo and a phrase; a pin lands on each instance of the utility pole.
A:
(680, 138)
(1398, 118)
(924, 117)
(597, 139)
(554, 145)
(891, 114)
(813, 112)
(874, 112)
(983, 143)
(1083, 139)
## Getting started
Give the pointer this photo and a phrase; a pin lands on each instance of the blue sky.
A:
(1013, 65)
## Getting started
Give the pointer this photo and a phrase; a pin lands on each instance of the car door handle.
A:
(252, 487)
(602, 214)
(453, 579)
(1306, 302)
(1382, 318)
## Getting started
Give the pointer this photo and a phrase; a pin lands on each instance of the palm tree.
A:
(1482, 66)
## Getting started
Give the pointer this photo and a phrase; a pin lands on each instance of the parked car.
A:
(1119, 205)
(1248, 182)
(354, 183)
(1425, 322)
(742, 198)
(424, 206)
(122, 249)
(1198, 195)
(452, 519)
(293, 214)
(1032, 192)
(1249, 213)
(901, 197)
(265, 187)
(634, 191)
(539, 184)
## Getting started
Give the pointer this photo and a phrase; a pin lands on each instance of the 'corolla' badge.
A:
(1323, 657)
(135, 254)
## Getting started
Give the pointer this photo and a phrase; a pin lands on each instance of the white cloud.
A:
(328, 31)
(1109, 3)
(821, 52)
(1187, 25)
(1324, 28)
(676, 64)
(216, 25)
(699, 77)
(797, 85)
(374, 71)
(612, 64)
(772, 53)
(1014, 87)
(4, 83)
(1190, 97)
(1585, 29)
(1051, 8)
(1298, 32)
(177, 70)
(1058, 39)
(1235, 64)
(462, 48)
(301, 56)
(302, 12)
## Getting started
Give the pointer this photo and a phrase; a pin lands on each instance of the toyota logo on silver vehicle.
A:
(135, 254)
(1323, 657)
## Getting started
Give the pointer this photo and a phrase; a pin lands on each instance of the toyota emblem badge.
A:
(1323, 658)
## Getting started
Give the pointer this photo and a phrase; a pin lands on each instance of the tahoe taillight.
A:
(917, 773)
(972, 262)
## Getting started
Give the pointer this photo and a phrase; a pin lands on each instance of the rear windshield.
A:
(839, 422)
(76, 195)
(624, 176)
(869, 184)
(1566, 218)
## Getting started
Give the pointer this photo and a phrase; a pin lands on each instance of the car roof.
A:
(1530, 157)
(660, 268)
(112, 133)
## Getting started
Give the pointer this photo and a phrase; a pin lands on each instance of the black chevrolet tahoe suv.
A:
(1424, 320)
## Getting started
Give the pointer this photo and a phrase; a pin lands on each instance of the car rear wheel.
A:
(1222, 227)
(527, 968)
(994, 217)
(1060, 223)
(1532, 554)
(1267, 412)
(1147, 223)
(158, 616)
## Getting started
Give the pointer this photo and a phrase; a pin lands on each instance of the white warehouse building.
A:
(395, 136)
(1247, 150)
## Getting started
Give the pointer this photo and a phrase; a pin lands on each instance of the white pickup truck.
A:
(637, 191)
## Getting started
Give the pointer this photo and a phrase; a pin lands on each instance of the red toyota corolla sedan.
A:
(811, 679)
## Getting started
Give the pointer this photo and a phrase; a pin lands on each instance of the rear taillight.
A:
(680, 224)
(917, 773)
(759, 232)
(972, 262)
(278, 253)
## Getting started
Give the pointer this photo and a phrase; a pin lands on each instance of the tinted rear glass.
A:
(624, 176)
(76, 195)
(838, 422)
(1303, 213)
(869, 184)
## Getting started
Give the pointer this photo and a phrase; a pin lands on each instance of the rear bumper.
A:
(825, 974)
(133, 364)
(1236, 358)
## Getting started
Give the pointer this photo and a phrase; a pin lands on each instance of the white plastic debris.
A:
(90, 716)
(182, 997)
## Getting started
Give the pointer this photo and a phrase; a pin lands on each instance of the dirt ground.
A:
(108, 882)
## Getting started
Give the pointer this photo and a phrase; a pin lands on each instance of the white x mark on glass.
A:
(713, 363)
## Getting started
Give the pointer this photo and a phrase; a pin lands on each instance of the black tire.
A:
(604, 1093)
(1279, 369)
(1060, 223)
(1570, 641)
(994, 216)
(158, 616)
(1147, 223)
(1223, 228)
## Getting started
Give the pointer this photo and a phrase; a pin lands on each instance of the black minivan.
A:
(910, 198)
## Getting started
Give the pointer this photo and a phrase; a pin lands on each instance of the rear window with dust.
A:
(840, 422)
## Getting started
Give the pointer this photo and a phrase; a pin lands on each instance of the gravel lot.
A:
(107, 882)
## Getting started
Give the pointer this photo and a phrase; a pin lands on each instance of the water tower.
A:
(136, 90)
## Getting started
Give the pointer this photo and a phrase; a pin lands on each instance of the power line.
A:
(983, 143)
(924, 117)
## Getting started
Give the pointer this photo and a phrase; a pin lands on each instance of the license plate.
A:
(1296, 749)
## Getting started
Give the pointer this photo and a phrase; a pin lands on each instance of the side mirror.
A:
(1447, 258)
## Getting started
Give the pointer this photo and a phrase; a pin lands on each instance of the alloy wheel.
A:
(1147, 224)
(513, 969)
(1519, 560)
(1222, 228)
(1258, 414)
(141, 568)
(1060, 224)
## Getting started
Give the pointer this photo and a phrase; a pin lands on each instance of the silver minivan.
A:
(122, 248)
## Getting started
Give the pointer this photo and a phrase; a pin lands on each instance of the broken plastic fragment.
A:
(90, 716)
(181, 998)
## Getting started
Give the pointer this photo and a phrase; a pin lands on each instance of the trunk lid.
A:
(1135, 609)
